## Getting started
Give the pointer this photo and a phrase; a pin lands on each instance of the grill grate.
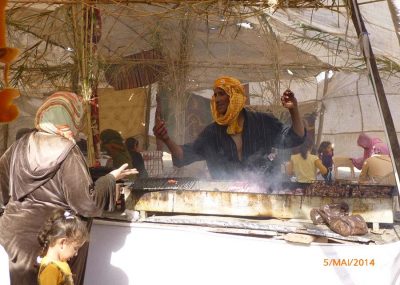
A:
(151, 184)
(336, 189)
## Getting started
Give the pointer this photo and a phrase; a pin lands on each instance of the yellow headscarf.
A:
(237, 99)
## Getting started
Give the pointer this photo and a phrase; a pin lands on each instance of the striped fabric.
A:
(61, 114)
(147, 68)
(237, 99)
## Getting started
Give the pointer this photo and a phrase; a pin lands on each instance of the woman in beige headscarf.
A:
(43, 171)
(378, 168)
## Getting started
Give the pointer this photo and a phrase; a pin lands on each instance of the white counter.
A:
(146, 254)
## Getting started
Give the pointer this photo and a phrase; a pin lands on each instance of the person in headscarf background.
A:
(367, 143)
(132, 145)
(113, 143)
(44, 171)
(378, 168)
(239, 139)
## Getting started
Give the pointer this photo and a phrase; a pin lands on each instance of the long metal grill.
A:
(319, 188)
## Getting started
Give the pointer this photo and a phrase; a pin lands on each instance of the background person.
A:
(60, 239)
(239, 139)
(132, 145)
(325, 154)
(305, 165)
(113, 143)
(378, 168)
(44, 171)
(367, 143)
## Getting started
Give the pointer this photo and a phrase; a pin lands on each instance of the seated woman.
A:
(304, 165)
(113, 143)
(378, 168)
(367, 143)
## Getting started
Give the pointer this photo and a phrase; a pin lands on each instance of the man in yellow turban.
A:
(238, 137)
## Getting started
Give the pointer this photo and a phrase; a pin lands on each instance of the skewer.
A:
(291, 77)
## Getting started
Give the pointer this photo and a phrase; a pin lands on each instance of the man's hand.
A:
(288, 100)
(160, 130)
(121, 172)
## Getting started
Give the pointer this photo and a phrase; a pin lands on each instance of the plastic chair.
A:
(342, 161)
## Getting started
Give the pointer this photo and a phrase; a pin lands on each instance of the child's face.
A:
(329, 149)
(69, 250)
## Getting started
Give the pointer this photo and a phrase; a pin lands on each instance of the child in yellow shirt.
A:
(305, 165)
(60, 238)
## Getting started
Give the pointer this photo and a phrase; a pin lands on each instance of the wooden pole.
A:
(159, 116)
(380, 96)
(147, 120)
(5, 131)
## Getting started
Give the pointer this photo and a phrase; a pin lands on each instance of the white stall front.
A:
(122, 253)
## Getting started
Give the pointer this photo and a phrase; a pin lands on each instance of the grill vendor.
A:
(239, 140)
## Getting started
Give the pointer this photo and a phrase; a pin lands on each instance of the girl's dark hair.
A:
(62, 224)
(305, 148)
(131, 143)
(323, 146)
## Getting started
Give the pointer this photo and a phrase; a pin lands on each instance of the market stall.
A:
(340, 58)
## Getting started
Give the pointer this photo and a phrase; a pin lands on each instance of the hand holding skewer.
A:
(288, 100)
(160, 130)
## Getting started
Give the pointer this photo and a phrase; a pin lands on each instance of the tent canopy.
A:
(270, 44)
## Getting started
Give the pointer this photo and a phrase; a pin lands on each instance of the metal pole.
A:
(322, 111)
(380, 96)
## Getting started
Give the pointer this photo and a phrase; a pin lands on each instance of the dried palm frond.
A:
(313, 36)
(386, 66)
